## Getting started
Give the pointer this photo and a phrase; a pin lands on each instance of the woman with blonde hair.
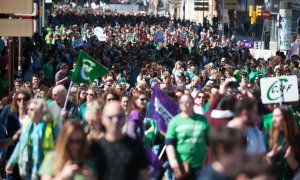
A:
(93, 119)
(36, 140)
(70, 154)
(178, 68)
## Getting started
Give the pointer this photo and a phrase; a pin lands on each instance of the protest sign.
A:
(77, 43)
(129, 37)
(249, 43)
(279, 89)
(98, 31)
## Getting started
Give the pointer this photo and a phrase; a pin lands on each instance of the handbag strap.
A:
(190, 153)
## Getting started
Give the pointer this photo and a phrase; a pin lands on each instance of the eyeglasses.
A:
(22, 99)
(119, 117)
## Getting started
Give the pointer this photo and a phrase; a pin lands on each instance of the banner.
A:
(249, 43)
(279, 89)
(77, 43)
(162, 108)
(155, 163)
(87, 69)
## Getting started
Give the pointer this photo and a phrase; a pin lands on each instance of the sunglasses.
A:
(201, 97)
(143, 99)
(119, 117)
(22, 99)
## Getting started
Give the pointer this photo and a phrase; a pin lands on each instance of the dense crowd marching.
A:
(223, 130)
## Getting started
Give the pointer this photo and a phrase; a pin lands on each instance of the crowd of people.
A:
(100, 130)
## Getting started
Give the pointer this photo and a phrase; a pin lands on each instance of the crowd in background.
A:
(223, 130)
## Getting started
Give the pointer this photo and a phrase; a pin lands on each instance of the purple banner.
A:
(249, 43)
(162, 108)
(155, 163)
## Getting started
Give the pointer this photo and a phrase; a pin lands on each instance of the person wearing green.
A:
(48, 68)
(253, 73)
(186, 138)
(282, 142)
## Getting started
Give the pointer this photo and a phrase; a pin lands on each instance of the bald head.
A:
(111, 107)
(60, 89)
(113, 118)
(59, 93)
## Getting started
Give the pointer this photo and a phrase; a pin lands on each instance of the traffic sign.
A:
(265, 14)
(16, 6)
(199, 8)
(18, 27)
(201, 4)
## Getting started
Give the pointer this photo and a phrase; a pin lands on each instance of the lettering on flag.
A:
(162, 110)
(87, 67)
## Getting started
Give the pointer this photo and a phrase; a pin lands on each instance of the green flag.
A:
(87, 69)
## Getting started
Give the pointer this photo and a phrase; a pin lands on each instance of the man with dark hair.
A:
(244, 119)
(228, 148)
(39, 90)
(43, 78)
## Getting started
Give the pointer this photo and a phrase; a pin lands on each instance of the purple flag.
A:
(249, 43)
(162, 108)
(155, 163)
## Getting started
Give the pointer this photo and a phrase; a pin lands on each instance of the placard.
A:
(77, 43)
(279, 89)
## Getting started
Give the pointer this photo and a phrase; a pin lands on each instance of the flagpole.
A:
(68, 94)
(162, 152)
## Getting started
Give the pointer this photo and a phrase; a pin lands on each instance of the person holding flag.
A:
(86, 71)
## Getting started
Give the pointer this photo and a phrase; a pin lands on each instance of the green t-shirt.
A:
(189, 133)
(48, 70)
(252, 76)
(267, 121)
